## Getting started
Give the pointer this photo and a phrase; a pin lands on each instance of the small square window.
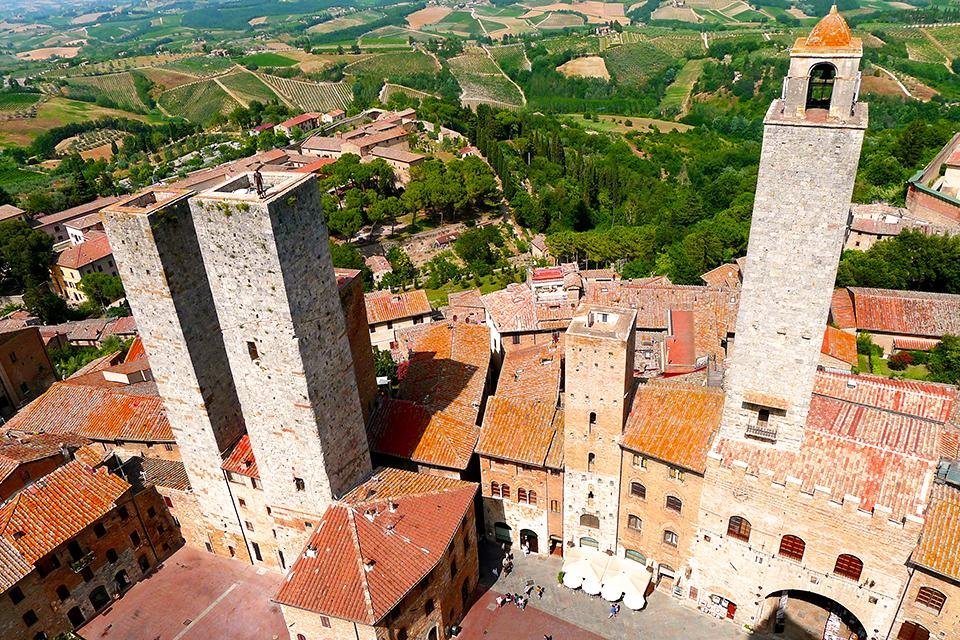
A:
(87, 574)
(242, 503)
(99, 530)
(30, 618)
(325, 621)
(16, 595)
(123, 513)
(151, 512)
(252, 350)
(300, 484)
(248, 525)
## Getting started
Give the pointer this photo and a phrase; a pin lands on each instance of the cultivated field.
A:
(560, 21)
(396, 63)
(45, 53)
(430, 15)
(586, 67)
(54, 113)
(200, 66)
(198, 102)
(510, 57)
(481, 80)
(268, 59)
(16, 102)
(311, 96)
(677, 95)
(596, 12)
(636, 63)
(246, 87)
(117, 87)
(459, 23)
(167, 78)
(345, 22)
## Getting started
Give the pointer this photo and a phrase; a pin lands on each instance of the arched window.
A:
(591, 458)
(638, 490)
(590, 520)
(634, 522)
(589, 542)
(820, 87)
(739, 528)
(504, 490)
(636, 556)
(671, 538)
(674, 504)
(593, 418)
(931, 598)
(62, 592)
(792, 547)
(848, 566)
(521, 495)
(532, 497)
(495, 489)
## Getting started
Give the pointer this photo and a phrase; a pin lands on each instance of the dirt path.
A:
(473, 14)
(903, 88)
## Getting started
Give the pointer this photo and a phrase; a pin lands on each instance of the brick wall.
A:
(928, 207)
(747, 572)
(657, 478)
(25, 367)
(510, 510)
(358, 334)
(946, 623)
(157, 538)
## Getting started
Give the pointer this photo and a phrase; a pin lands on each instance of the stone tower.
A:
(811, 147)
(155, 245)
(268, 261)
(599, 383)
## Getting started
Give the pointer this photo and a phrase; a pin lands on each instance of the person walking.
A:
(613, 612)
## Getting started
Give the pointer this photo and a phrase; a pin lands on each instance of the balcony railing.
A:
(82, 562)
(762, 432)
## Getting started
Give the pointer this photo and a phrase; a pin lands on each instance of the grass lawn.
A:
(59, 111)
(438, 297)
(267, 59)
(880, 368)
(615, 124)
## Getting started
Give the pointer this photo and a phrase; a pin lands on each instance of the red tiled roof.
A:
(674, 423)
(136, 351)
(547, 273)
(165, 473)
(681, 344)
(466, 306)
(13, 568)
(378, 264)
(53, 510)
(85, 253)
(939, 546)
(15, 452)
(726, 275)
(75, 212)
(518, 429)
(877, 441)
(906, 312)
(8, 211)
(832, 31)
(434, 418)
(357, 565)
(840, 345)
(915, 344)
(241, 460)
(385, 306)
(298, 120)
(94, 408)
(841, 309)
(532, 373)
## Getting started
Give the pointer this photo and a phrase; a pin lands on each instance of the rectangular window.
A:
(248, 525)
(516, 338)
(555, 506)
(167, 501)
(676, 474)
(242, 503)
(13, 357)
(16, 595)
(254, 483)
(300, 484)
(30, 618)
(252, 350)
(256, 551)
(639, 461)
(325, 622)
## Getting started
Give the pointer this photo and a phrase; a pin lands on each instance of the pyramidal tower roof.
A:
(831, 35)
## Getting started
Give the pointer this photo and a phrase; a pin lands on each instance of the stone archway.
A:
(795, 614)
(529, 537)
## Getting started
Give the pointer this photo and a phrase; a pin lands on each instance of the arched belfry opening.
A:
(820, 85)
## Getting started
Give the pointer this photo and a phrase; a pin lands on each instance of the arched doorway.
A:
(912, 631)
(502, 532)
(800, 615)
(99, 598)
(529, 537)
(75, 616)
(820, 85)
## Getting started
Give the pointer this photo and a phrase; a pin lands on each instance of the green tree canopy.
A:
(24, 256)
(101, 288)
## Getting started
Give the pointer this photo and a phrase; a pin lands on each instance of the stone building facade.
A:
(25, 368)
(599, 348)
(286, 341)
(808, 164)
(156, 247)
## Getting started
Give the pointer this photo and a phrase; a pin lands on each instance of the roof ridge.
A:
(355, 539)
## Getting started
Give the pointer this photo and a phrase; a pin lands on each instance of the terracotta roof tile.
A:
(364, 557)
(94, 408)
(674, 423)
(13, 567)
(878, 441)
(532, 373)
(939, 546)
(518, 429)
(434, 418)
(241, 459)
(85, 253)
(915, 344)
(726, 275)
(75, 212)
(384, 306)
(831, 31)
(17, 451)
(906, 312)
(165, 473)
(841, 309)
(53, 510)
(840, 345)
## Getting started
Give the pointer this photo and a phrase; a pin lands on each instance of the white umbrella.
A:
(591, 587)
(572, 580)
(634, 601)
(615, 586)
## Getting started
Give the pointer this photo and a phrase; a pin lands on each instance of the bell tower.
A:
(811, 147)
